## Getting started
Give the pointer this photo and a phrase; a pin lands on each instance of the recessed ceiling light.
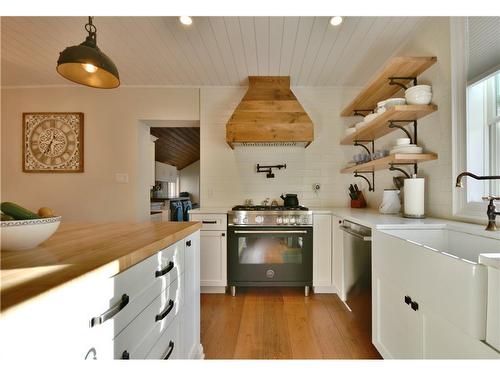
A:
(335, 21)
(186, 20)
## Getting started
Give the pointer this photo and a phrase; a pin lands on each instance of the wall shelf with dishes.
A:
(383, 114)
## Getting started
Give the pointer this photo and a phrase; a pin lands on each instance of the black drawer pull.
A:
(414, 306)
(209, 221)
(165, 312)
(166, 270)
(112, 311)
(188, 243)
(170, 350)
(125, 355)
(223, 234)
(407, 300)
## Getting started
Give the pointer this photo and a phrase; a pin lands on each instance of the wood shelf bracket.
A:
(394, 81)
(360, 142)
(394, 124)
(371, 185)
(359, 112)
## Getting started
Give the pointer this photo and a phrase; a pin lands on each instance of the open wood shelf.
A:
(379, 88)
(384, 163)
(379, 126)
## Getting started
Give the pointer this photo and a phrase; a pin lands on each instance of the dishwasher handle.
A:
(355, 234)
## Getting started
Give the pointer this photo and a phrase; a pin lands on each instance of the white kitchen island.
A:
(104, 291)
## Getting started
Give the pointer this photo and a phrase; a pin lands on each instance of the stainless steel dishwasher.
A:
(357, 262)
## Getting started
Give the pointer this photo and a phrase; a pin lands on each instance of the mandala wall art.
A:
(53, 142)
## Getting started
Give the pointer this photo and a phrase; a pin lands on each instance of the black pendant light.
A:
(87, 65)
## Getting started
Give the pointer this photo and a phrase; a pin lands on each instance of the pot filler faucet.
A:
(491, 212)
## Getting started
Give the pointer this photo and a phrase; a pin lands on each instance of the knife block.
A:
(360, 202)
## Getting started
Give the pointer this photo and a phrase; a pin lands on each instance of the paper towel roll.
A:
(414, 196)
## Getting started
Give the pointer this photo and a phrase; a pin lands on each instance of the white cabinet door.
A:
(213, 255)
(338, 257)
(397, 329)
(190, 322)
(322, 250)
(443, 340)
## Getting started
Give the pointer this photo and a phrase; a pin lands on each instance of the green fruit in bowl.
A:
(17, 212)
(6, 217)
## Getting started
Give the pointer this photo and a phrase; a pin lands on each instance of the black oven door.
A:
(269, 256)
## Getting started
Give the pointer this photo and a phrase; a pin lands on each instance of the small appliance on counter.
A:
(390, 202)
(357, 197)
(414, 197)
(290, 200)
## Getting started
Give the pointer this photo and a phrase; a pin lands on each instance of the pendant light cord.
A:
(91, 29)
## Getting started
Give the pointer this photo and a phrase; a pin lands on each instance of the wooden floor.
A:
(280, 323)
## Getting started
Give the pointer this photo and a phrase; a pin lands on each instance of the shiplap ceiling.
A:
(213, 51)
(179, 147)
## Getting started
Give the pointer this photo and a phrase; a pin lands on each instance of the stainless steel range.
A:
(269, 246)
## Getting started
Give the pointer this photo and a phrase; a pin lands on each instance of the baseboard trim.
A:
(325, 290)
(213, 289)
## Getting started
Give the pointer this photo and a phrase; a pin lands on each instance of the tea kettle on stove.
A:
(290, 200)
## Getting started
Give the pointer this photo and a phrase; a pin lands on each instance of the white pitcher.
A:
(390, 202)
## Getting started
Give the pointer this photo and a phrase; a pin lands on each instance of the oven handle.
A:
(355, 234)
(270, 231)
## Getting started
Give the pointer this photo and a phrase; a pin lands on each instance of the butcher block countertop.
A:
(79, 250)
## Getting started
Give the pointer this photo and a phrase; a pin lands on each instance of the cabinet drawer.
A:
(211, 221)
(139, 284)
(141, 334)
(169, 344)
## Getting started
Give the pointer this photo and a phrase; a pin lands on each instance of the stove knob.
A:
(235, 220)
(285, 220)
(279, 220)
(304, 220)
(292, 219)
(259, 219)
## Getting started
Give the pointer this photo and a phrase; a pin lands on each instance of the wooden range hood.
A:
(269, 115)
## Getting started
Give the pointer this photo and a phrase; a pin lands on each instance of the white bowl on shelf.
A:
(403, 141)
(27, 234)
(418, 97)
(419, 88)
(394, 101)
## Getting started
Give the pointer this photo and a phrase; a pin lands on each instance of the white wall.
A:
(228, 177)
(112, 128)
(189, 179)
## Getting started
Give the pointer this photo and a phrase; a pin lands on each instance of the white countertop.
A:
(373, 219)
(210, 210)
(490, 260)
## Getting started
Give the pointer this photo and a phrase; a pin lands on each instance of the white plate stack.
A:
(403, 146)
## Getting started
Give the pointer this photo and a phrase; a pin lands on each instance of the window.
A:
(483, 135)
(475, 54)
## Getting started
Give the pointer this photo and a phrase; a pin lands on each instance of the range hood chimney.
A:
(269, 115)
